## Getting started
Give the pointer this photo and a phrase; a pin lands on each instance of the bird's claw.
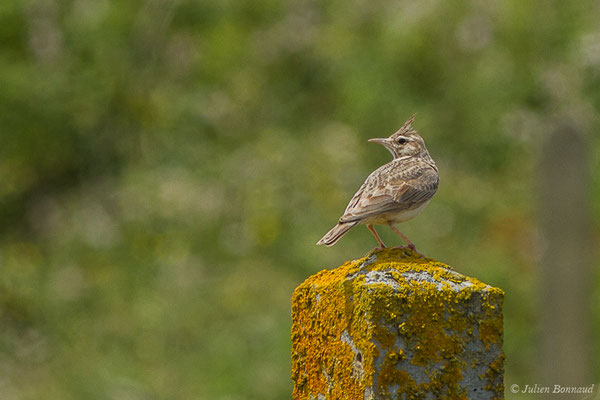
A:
(375, 250)
(410, 247)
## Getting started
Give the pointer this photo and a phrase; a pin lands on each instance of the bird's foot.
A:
(375, 250)
(410, 247)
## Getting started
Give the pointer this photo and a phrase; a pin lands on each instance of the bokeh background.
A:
(167, 166)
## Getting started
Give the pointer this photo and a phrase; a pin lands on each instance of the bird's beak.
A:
(381, 141)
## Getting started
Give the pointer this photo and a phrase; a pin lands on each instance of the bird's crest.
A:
(407, 127)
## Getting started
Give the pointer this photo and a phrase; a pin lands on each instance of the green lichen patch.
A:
(395, 324)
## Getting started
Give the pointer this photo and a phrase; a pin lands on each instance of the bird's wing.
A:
(392, 188)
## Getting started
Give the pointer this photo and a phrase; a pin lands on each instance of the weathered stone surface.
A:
(396, 326)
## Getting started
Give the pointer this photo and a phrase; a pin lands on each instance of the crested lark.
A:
(394, 192)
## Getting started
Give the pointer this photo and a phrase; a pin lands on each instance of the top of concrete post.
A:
(394, 323)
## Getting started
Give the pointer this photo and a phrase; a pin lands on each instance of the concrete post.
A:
(396, 326)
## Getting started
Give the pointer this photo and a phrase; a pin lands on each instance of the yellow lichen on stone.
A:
(393, 323)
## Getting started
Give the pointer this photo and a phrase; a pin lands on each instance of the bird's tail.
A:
(336, 233)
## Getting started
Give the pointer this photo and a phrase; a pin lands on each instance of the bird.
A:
(393, 193)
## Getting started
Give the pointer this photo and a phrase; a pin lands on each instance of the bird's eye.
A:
(402, 140)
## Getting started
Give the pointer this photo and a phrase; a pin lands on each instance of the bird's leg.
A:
(411, 245)
(374, 232)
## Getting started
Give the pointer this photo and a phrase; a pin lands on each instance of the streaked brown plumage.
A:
(394, 192)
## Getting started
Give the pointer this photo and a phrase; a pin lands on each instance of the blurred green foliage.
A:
(167, 166)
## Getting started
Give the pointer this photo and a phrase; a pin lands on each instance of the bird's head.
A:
(404, 142)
